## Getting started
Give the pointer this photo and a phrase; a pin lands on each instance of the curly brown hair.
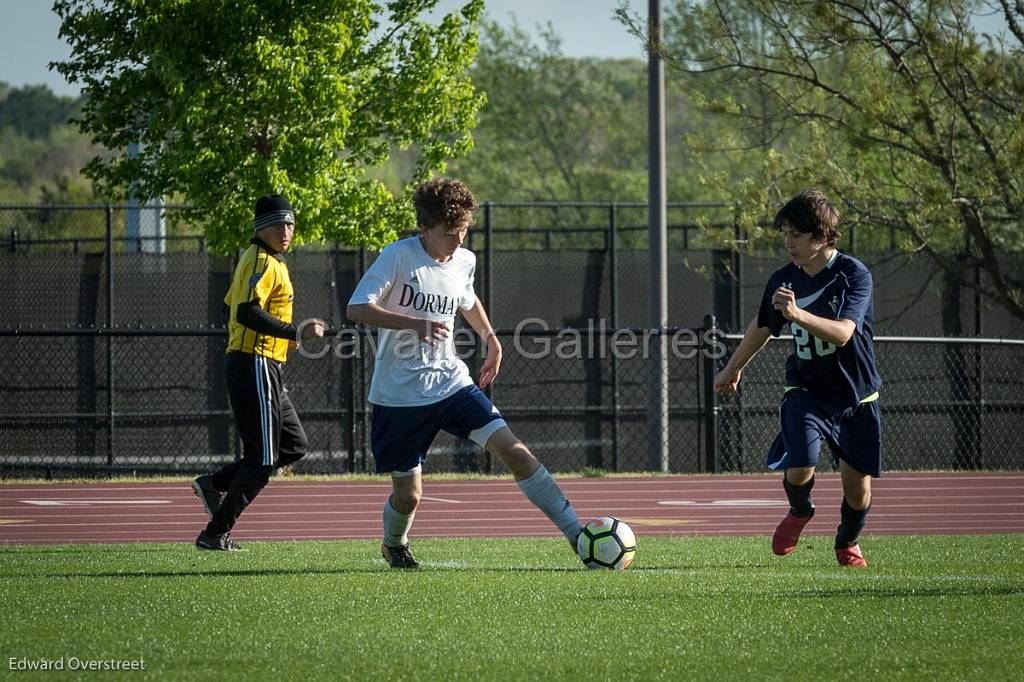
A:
(810, 211)
(444, 202)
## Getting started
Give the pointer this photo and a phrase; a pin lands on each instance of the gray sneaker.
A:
(222, 543)
(399, 557)
(208, 495)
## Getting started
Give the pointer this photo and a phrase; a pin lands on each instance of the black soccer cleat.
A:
(575, 542)
(399, 557)
(222, 543)
(208, 495)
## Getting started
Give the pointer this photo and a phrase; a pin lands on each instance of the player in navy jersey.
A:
(824, 299)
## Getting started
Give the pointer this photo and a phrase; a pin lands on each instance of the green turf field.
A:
(695, 608)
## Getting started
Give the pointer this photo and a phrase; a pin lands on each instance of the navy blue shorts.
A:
(401, 436)
(853, 433)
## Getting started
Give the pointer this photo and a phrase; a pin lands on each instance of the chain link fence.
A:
(148, 400)
(114, 340)
(946, 404)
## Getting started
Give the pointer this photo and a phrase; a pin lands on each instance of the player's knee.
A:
(859, 500)
(507, 446)
(301, 444)
(799, 475)
(254, 478)
(406, 501)
(293, 444)
(519, 460)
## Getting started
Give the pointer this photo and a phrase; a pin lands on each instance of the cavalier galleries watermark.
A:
(533, 339)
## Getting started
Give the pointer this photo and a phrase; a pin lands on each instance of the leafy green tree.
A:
(34, 110)
(32, 167)
(899, 108)
(554, 128)
(557, 128)
(229, 99)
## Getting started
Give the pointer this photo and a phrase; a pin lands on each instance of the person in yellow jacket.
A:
(260, 333)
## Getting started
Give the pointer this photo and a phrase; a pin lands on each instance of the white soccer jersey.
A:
(405, 279)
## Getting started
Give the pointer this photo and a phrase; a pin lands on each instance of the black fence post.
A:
(351, 398)
(346, 369)
(979, 365)
(364, 345)
(613, 291)
(737, 273)
(732, 453)
(14, 241)
(110, 339)
(723, 295)
(488, 254)
(711, 460)
(488, 292)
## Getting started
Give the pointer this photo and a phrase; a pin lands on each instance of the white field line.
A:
(824, 479)
(327, 535)
(267, 506)
(982, 495)
(428, 522)
(626, 513)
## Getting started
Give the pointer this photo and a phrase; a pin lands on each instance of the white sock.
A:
(396, 526)
(541, 489)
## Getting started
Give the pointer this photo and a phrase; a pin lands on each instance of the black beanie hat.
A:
(272, 209)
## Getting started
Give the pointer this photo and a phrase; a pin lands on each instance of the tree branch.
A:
(1011, 20)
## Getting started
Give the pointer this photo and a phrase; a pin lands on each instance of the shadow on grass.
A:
(235, 573)
(887, 592)
(29, 550)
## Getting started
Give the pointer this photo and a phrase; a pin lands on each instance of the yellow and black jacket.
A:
(260, 300)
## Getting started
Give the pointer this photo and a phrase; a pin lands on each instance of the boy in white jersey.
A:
(419, 387)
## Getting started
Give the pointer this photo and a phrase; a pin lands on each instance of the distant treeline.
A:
(41, 151)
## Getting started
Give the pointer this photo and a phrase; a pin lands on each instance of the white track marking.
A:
(724, 503)
(86, 502)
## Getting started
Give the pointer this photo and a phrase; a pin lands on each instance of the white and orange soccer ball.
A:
(607, 542)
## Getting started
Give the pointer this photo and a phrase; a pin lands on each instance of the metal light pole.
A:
(657, 293)
(146, 236)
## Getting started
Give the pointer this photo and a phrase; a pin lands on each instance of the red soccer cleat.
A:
(788, 533)
(851, 556)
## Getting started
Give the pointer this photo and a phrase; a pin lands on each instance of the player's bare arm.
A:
(481, 324)
(838, 332)
(376, 316)
(727, 381)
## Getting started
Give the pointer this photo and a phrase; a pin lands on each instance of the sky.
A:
(28, 33)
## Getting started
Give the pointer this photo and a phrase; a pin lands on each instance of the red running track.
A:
(904, 504)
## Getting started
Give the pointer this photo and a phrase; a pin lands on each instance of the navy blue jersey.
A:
(841, 291)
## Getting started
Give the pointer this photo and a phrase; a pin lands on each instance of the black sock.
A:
(245, 486)
(799, 497)
(222, 479)
(851, 523)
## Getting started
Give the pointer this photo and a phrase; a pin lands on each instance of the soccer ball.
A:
(607, 542)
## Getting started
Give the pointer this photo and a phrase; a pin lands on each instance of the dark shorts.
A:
(853, 433)
(265, 418)
(401, 436)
